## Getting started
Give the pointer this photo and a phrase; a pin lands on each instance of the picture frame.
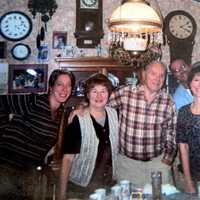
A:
(43, 53)
(27, 78)
(59, 40)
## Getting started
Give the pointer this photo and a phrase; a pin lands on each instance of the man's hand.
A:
(79, 110)
(49, 154)
(167, 162)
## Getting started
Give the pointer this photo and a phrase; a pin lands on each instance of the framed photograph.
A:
(59, 39)
(27, 78)
(43, 53)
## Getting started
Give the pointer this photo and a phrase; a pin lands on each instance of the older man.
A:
(147, 118)
(180, 71)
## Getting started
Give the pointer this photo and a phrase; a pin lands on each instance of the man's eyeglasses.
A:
(181, 69)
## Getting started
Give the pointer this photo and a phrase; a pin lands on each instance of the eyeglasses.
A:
(181, 69)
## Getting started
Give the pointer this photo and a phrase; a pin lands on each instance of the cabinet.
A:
(82, 68)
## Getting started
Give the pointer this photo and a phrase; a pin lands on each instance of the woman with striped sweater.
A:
(29, 124)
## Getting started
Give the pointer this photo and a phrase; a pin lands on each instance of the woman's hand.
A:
(189, 187)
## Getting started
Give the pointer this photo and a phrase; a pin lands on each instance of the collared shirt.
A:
(182, 96)
(146, 130)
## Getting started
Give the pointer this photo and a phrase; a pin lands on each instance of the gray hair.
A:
(156, 62)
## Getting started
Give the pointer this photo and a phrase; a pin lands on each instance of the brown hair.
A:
(192, 73)
(56, 73)
(97, 79)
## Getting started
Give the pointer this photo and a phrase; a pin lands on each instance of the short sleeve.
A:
(72, 138)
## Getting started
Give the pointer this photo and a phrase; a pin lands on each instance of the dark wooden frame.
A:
(20, 72)
(88, 38)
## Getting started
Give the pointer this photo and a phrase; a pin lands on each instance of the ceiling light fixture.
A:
(135, 25)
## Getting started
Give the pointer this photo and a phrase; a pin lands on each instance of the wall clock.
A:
(20, 51)
(93, 4)
(89, 28)
(15, 25)
(180, 28)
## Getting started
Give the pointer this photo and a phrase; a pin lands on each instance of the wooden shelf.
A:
(91, 64)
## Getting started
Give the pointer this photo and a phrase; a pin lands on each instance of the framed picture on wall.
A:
(59, 39)
(43, 53)
(27, 78)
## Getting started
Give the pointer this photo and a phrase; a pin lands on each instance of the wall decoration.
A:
(27, 78)
(43, 53)
(59, 39)
(3, 78)
(21, 51)
(89, 27)
(180, 29)
(15, 25)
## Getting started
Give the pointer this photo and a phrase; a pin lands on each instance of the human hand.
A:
(189, 187)
(49, 154)
(167, 162)
(79, 110)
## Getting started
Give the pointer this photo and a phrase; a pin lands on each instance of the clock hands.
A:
(186, 27)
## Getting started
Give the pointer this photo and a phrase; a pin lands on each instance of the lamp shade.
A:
(135, 16)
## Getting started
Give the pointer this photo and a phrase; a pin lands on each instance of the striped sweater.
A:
(25, 140)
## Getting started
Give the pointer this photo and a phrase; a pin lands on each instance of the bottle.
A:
(125, 189)
(156, 180)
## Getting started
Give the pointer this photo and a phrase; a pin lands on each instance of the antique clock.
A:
(89, 29)
(15, 25)
(180, 28)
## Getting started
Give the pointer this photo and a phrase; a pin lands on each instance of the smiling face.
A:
(180, 70)
(154, 77)
(98, 96)
(195, 85)
(61, 89)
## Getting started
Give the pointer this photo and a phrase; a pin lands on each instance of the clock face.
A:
(92, 4)
(20, 51)
(15, 25)
(181, 26)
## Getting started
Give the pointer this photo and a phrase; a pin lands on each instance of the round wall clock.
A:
(180, 28)
(20, 51)
(180, 25)
(15, 25)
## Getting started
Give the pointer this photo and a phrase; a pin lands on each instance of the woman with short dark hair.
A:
(91, 143)
(188, 133)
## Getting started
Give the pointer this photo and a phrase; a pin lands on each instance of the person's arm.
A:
(64, 175)
(17, 104)
(115, 99)
(184, 153)
(71, 146)
(78, 110)
(169, 136)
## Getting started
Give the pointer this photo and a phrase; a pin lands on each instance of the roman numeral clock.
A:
(180, 28)
(89, 29)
